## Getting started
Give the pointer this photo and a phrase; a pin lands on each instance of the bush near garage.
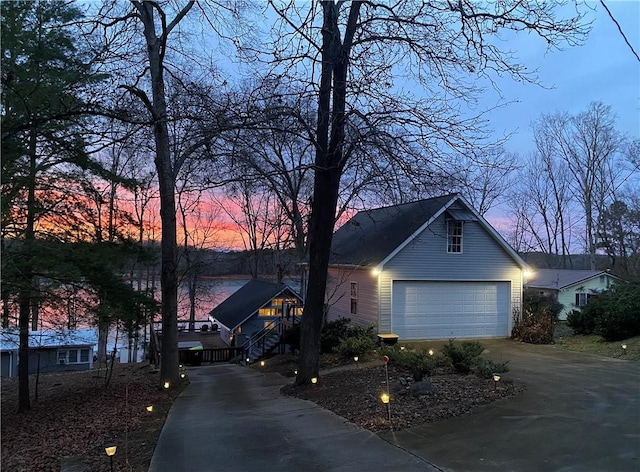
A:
(538, 320)
(462, 358)
(358, 340)
(615, 313)
(338, 336)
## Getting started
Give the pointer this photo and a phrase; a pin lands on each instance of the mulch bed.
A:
(355, 395)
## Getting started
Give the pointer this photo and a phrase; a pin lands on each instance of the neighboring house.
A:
(49, 350)
(571, 288)
(254, 307)
(431, 269)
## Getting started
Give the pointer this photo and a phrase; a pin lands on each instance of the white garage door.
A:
(443, 310)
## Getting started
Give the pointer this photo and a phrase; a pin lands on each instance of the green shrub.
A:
(486, 368)
(463, 356)
(420, 363)
(332, 333)
(356, 346)
(614, 314)
(581, 321)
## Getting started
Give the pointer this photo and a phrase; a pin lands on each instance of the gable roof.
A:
(372, 237)
(247, 300)
(558, 279)
(9, 338)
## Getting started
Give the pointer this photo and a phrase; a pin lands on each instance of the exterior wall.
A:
(48, 362)
(426, 258)
(339, 295)
(9, 367)
(567, 296)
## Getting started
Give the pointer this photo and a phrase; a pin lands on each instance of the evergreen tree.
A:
(46, 99)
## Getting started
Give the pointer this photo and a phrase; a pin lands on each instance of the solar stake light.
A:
(624, 349)
(261, 363)
(183, 375)
(295, 371)
(402, 348)
(167, 385)
(496, 379)
(385, 398)
(248, 360)
(111, 451)
(150, 408)
(314, 380)
(355, 358)
(431, 352)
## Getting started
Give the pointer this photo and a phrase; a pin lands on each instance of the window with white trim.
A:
(582, 298)
(73, 356)
(454, 236)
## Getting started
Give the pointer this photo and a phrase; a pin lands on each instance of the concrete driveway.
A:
(579, 413)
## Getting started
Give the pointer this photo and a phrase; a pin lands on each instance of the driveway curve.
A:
(232, 418)
(579, 412)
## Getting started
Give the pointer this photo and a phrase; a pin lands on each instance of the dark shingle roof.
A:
(371, 235)
(246, 301)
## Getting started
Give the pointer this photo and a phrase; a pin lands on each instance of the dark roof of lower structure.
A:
(242, 304)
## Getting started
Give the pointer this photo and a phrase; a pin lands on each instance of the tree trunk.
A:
(156, 45)
(329, 165)
(26, 290)
(327, 183)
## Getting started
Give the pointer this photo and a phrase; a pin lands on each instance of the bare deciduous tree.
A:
(356, 59)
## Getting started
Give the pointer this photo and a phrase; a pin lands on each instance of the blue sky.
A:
(603, 69)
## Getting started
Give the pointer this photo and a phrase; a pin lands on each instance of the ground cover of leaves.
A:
(355, 395)
(75, 416)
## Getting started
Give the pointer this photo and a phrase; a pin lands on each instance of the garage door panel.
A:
(441, 310)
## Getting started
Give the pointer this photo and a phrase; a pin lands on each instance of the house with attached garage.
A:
(429, 269)
(571, 288)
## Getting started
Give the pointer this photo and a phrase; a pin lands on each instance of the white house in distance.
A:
(430, 269)
(571, 288)
(49, 350)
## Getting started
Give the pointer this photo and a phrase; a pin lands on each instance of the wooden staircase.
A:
(267, 340)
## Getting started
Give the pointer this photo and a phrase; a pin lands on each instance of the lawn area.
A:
(594, 344)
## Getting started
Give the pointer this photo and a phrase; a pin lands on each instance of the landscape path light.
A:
(150, 408)
(496, 379)
(355, 358)
(314, 380)
(431, 352)
(166, 385)
(111, 451)
(624, 349)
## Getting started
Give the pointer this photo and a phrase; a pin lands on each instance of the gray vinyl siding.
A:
(339, 295)
(426, 258)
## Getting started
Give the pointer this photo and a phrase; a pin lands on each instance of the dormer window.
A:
(454, 236)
